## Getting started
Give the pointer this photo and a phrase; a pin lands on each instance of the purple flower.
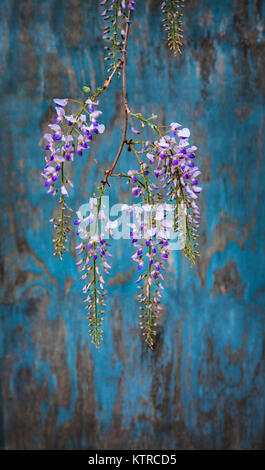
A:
(64, 190)
(150, 157)
(174, 126)
(197, 189)
(61, 102)
(135, 191)
(135, 131)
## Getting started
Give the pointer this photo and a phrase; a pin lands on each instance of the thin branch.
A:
(103, 171)
(121, 175)
(108, 80)
(94, 96)
(109, 172)
(137, 156)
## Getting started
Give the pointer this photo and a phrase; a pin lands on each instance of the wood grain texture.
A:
(203, 387)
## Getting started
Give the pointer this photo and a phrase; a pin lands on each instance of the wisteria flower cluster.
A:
(70, 135)
(173, 159)
(165, 173)
(151, 253)
(93, 264)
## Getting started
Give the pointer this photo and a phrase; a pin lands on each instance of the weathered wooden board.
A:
(203, 387)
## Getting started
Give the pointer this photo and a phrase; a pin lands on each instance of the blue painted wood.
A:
(203, 387)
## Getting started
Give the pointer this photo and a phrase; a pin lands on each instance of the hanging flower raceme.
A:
(149, 234)
(115, 16)
(93, 264)
(70, 134)
(173, 159)
(172, 23)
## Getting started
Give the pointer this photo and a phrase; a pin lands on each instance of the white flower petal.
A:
(184, 132)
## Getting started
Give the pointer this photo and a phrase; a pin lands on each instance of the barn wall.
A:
(203, 386)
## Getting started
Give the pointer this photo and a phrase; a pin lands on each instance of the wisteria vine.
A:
(165, 172)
